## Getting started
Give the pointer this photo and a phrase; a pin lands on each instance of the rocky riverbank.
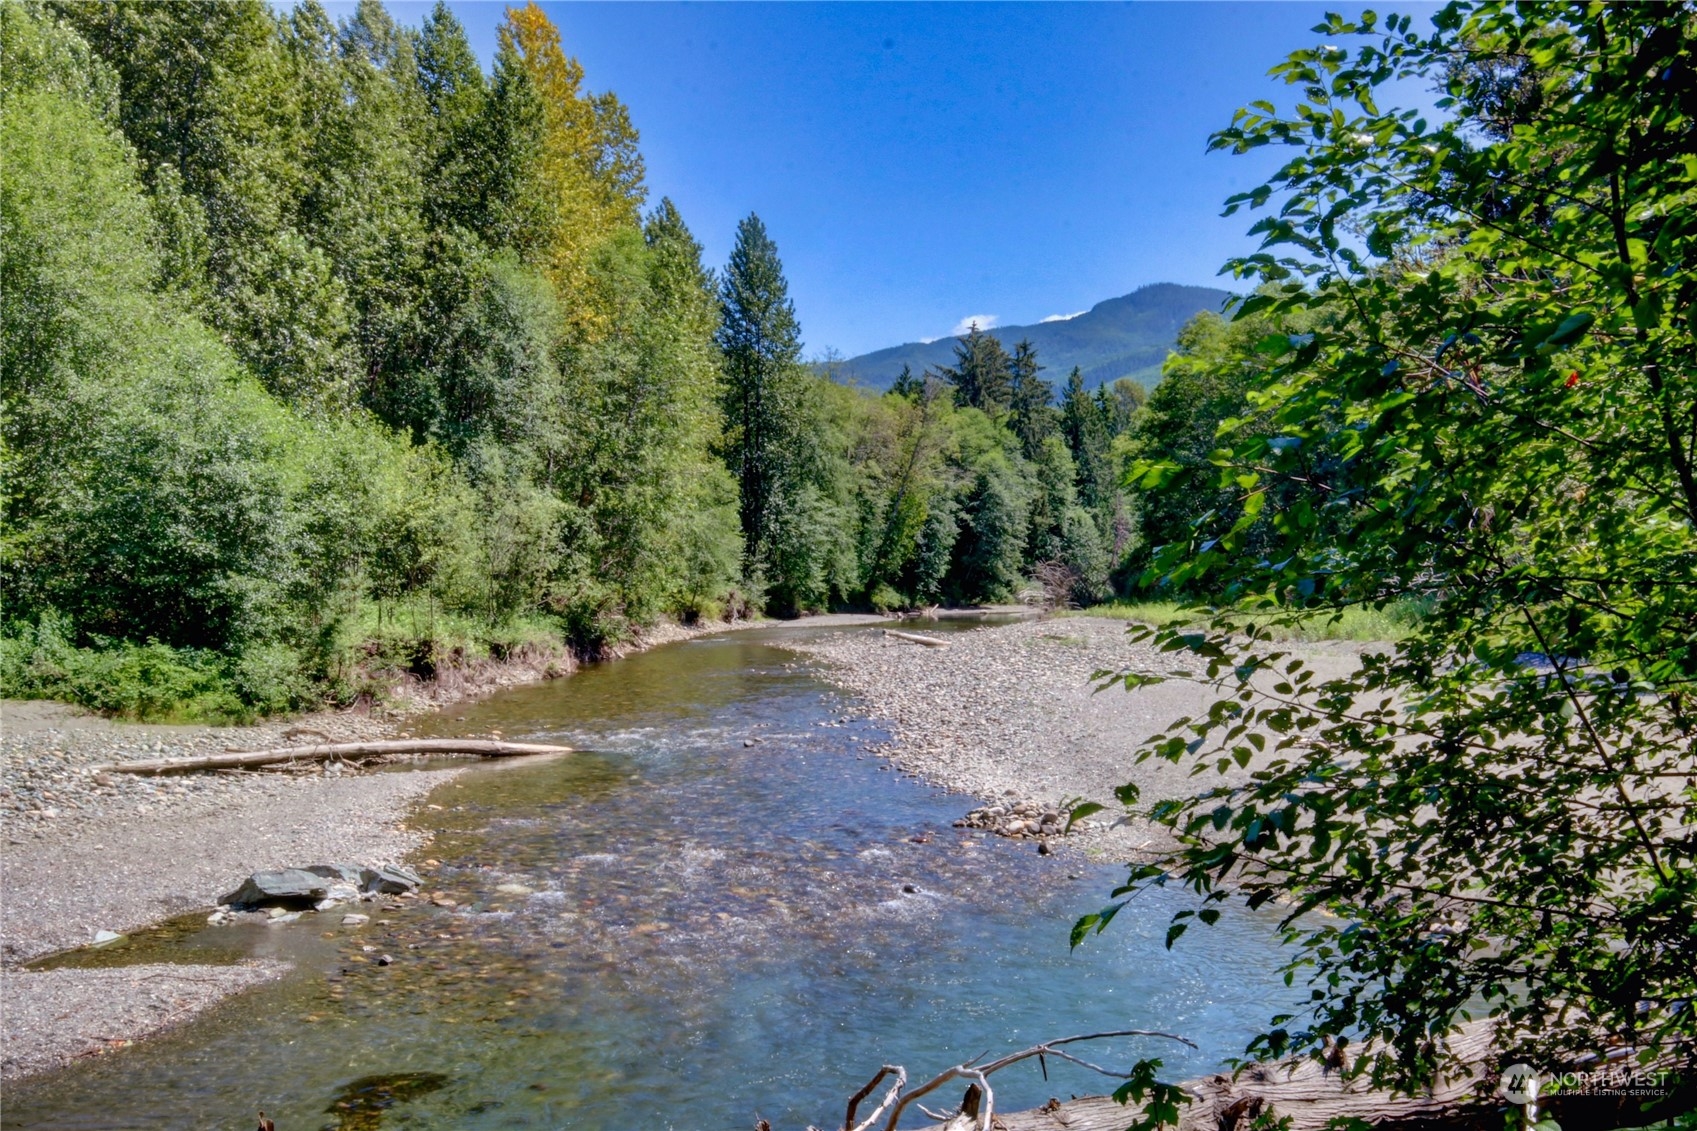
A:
(1010, 714)
(86, 852)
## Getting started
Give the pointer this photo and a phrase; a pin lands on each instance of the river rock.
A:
(338, 893)
(1023, 819)
(390, 879)
(289, 886)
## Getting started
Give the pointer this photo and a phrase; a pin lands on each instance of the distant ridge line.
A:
(1126, 336)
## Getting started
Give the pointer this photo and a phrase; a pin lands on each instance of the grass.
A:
(1355, 623)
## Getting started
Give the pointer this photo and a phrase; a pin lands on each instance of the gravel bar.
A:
(1010, 711)
(87, 852)
(56, 1016)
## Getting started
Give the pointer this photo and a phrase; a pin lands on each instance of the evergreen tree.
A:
(989, 555)
(1029, 396)
(455, 94)
(1086, 432)
(1120, 403)
(907, 385)
(982, 373)
(761, 343)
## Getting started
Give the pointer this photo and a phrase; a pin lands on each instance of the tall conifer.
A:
(761, 342)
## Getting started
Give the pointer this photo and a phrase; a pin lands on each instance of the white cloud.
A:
(928, 341)
(1064, 317)
(983, 321)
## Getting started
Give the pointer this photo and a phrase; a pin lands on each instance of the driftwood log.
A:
(1312, 1096)
(916, 638)
(488, 748)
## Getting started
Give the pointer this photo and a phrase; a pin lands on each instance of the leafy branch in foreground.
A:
(1490, 410)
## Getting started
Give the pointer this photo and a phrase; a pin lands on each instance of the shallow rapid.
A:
(723, 908)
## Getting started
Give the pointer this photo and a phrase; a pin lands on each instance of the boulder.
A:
(287, 887)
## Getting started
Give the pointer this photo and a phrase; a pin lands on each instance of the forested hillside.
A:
(1128, 336)
(328, 355)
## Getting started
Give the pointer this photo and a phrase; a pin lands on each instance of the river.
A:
(723, 908)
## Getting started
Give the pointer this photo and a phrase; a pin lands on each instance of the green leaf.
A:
(1081, 811)
(1572, 328)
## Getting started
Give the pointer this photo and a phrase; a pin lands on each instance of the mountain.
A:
(1127, 336)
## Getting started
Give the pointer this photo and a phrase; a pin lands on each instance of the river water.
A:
(715, 931)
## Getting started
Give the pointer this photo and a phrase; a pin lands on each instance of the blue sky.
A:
(922, 163)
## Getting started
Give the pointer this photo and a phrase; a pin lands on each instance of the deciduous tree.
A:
(1488, 408)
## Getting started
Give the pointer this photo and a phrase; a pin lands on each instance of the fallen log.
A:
(928, 641)
(322, 752)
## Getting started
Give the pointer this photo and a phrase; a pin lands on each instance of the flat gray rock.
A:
(272, 889)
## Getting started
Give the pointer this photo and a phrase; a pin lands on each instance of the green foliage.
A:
(43, 54)
(1483, 405)
(151, 682)
(1172, 443)
(143, 497)
(426, 392)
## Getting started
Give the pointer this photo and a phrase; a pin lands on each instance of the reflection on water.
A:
(721, 909)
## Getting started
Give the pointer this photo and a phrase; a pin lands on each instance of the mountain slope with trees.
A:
(1128, 336)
